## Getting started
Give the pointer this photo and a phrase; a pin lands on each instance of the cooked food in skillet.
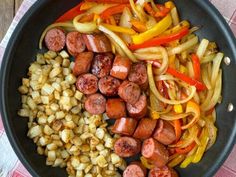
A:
(122, 79)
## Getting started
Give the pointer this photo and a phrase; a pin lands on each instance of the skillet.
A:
(22, 49)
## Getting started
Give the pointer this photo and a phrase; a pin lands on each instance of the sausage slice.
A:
(74, 43)
(55, 39)
(138, 75)
(124, 126)
(98, 43)
(115, 108)
(139, 109)
(155, 152)
(127, 146)
(109, 85)
(164, 132)
(95, 104)
(87, 84)
(121, 67)
(162, 172)
(135, 169)
(145, 128)
(102, 64)
(82, 63)
(129, 92)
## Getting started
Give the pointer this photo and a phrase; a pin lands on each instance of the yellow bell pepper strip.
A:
(196, 66)
(119, 29)
(186, 161)
(177, 28)
(156, 30)
(161, 39)
(70, 14)
(170, 5)
(138, 26)
(145, 163)
(176, 160)
(194, 108)
(204, 138)
(113, 10)
(87, 5)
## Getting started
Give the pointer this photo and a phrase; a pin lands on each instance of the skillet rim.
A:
(206, 5)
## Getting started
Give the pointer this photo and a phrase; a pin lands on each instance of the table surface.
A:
(8, 9)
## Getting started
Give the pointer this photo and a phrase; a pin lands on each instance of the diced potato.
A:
(47, 89)
(100, 133)
(115, 158)
(51, 146)
(75, 162)
(55, 72)
(78, 95)
(60, 115)
(51, 156)
(101, 161)
(57, 162)
(24, 112)
(23, 89)
(31, 103)
(66, 135)
(35, 131)
(109, 142)
(64, 54)
(45, 99)
(70, 78)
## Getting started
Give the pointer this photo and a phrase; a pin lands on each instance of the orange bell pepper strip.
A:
(196, 66)
(163, 11)
(110, 1)
(113, 10)
(186, 149)
(199, 85)
(87, 5)
(178, 131)
(87, 18)
(138, 26)
(149, 9)
(161, 39)
(70, 14)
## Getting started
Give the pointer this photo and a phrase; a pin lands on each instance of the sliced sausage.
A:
(139, 109)
(135, 169)
(95, 104)
(82, 63)
(121, 67)
(155, 152)
(138, 75)
(129, 92)
(115, 108)
(55, 39)
(74, 43)
(98, 43)
(127, 146)
(162, 172)
(164, 132)
(87, 83)
(124, 126)
(109, 85)
(102, 64)
(145, 128)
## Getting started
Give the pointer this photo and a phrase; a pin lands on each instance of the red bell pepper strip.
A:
(178, 130)
(110, 1)
(196, 66)
(199, 85)
(113, 10)
(186, 149)
(163, 11)
(161, 39)
(70, 14)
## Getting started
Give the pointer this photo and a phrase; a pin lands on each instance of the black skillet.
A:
(21, 52)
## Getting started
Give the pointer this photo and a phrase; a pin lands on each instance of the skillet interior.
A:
(23, 46)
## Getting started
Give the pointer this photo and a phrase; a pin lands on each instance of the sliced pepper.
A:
(157, 29)
(145, 163)
(196, 66)
(163, 11)
(170, 4)
(176, 160)
(70, 14)
(149, 9)
(186, 149)
(178, 131)
(161, 39)
(113, 10)
(87, 5)
(110, 1)
(119, 29)
(138, 25)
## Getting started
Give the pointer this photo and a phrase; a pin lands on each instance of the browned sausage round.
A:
(95, 104)
(135, 169)
(115, 108)
(139, 109)
(102, 64)
(109, 85)
(145, 128)
(74, 43)
(164, 132)
(129, 92)
(124, 126)
(162, 172)
(127, 146)
(155, 152)
(98, 43)
(87, 84)
(138, 75)
(121, 67)
(55, 39)
(82, 63)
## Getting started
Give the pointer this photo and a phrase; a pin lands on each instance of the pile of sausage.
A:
(116, 86)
